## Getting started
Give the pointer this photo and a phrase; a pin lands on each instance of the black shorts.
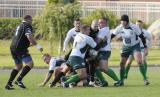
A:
(21, 56)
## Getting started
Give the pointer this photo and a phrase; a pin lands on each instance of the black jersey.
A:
(93, 33)
(20, 41)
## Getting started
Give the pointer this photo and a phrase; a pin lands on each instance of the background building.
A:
(146, 10)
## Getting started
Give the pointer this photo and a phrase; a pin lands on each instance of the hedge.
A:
(7, 27)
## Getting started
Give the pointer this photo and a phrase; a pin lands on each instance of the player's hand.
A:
(41, 85)
(41, 49)
(146, 51)
(64, 50)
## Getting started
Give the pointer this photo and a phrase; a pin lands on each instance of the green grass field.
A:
(134, 87)
(6, 59)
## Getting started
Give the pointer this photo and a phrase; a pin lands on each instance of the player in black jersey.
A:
(91, 62)
(21, 41)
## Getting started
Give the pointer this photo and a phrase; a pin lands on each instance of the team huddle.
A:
(88, 58)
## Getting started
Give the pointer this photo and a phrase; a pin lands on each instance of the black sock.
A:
(13, 74)
(91, 70)
(25, 70)
(57, 78)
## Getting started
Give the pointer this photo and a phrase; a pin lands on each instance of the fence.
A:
(146, 11)
(18, 8)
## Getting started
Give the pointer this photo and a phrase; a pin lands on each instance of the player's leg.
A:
(91, 70)
(128, 65)
(78, 65)
(60, 72)
(104, 56)
(138, 58)
(125, 52)
(14, 72)
(99, 75)
(27, 59)
(81, 74)
(144, 59)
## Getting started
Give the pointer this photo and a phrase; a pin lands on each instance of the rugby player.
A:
(91, 62)
(76, 59)
(104, 38)
(130, 34)
(72, 33)
(22, 40)
(148, 38)
(54, 63)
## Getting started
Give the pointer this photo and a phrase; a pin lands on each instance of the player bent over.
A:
(54, 63)
(21, 41)
(76, 59)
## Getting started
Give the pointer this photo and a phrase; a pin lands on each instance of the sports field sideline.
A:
(6, 59)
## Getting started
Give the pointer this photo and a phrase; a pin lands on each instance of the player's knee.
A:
(30, 64)
(140, 62)
(123, 61)
(19, 67)
(83, 75)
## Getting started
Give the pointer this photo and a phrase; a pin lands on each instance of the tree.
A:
(98, 13)
(56, 19)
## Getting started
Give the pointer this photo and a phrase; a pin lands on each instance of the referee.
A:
(22, 40)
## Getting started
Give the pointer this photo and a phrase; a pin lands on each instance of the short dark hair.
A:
(125, 18)
(104, 18)
(140, 21)
(77, 19)
(27, 17)
(84, 27)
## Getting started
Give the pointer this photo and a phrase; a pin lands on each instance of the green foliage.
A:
(56, 20)
(7, 27)
(99, 13)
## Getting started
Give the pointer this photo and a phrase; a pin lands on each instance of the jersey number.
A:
(17, 31)
(82, 50)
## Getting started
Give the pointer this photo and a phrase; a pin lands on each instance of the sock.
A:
(145, 65)
(127, 69)
(143, 71)
(112, 74)
(13, 74)
(73, 78)
(25, 70)
(100, 76)
(57, 78)
(122, 73)
(91, 70)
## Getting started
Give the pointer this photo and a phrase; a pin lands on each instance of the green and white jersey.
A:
(70, 35)
(80, 45)
(148, 38)
(129, 35)
(105, 35)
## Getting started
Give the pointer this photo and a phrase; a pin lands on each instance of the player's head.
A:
(46, 58)
(85, 29)
(28, 19)
(102, 22)
(124, 20)
(94, 25)
(139, 23)
(77, 24)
